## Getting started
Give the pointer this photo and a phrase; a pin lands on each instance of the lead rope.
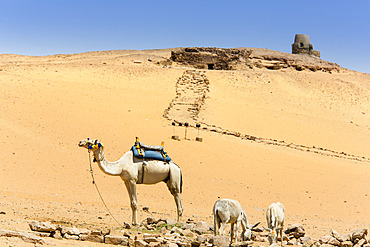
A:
(97, 189)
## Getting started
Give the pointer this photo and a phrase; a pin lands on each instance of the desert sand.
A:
(49, 103)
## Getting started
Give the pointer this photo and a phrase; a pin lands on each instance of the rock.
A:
(202, 227)
(360, 242)
(70, 231)
(140, 243)
(57, 234)
(188, 226)
(92, 238)
(316, 244)
(296, 230)
(176, 230)
(85, 231)
(25, 236)
(151, 221)
(325, 239)
(334, 241)
(346, 244)
(42, 234)
(334, 234)
(220, 241)
(153, 244)
(42, 226)
(170, 221)
(150, 238)
(71, 237)
(127, 225)
(306, 241)
(188, 233)
(203, 238)
(105, 231)
(195, 243)
(326, 245)
(358, 234)
(163, 230)
(116, 240)
(345, 237)
(293, 241)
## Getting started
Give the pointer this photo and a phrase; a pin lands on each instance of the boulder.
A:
(360, 242)
(220, 241)
(170, 221)
(345, 237)
(116, 240)
(202, 227)
(203, 238)
(92, 238)
(188, 233)
(296, 230)
(25, 236)
(325, 239)
(57, 234)
(70, 231)
(176, 230)
(306, 241)
(334, 234)
(346, 244)
(358, 234)
(334, 241)
(71, 237)
(42, 226)
(141, 243)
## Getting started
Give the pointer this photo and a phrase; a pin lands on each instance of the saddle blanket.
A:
(150, 154)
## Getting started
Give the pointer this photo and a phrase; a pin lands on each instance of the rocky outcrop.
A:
(248, 58)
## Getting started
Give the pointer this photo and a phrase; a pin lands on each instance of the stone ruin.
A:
(302, 45)
(211, 58)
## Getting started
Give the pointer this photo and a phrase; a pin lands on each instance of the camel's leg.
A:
(174, 186)
(131, 188)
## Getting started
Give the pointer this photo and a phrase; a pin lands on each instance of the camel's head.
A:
(90, 144)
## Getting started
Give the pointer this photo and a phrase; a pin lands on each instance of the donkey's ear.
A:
(96, 141)
(267, 229)
(255, 225)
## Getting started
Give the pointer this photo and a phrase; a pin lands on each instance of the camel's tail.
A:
(180, 181)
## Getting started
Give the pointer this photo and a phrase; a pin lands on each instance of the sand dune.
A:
(49, 103)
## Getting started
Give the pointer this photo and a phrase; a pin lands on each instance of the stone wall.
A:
(211, 58)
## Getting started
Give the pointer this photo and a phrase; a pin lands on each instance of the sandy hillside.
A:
(310, 145)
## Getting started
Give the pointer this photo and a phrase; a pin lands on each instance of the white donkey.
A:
(275, 215)
(230, 211)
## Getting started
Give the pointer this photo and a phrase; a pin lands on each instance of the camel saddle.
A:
(149, 152)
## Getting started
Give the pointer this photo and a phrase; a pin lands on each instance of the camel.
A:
(134, 171)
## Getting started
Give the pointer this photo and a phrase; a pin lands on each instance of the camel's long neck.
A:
(109, 168)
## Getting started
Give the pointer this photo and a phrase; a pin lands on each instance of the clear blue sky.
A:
(339, 29)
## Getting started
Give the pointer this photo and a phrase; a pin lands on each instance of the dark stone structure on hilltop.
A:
(302, 45)
(211, 58)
